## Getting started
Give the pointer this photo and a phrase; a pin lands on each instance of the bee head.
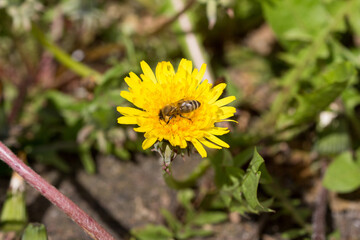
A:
(161, 115)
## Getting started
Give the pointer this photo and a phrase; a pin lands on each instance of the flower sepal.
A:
(168, 153)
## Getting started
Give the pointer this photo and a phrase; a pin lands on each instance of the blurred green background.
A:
(291, 64)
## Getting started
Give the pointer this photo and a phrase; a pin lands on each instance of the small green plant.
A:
(191, 225)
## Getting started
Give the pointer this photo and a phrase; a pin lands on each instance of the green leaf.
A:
(354, 18)
(51, 157)
(86, 157)
(311, 104)
(342, 174)
(103, 143)
(122, 153)
(111, 77)
(35, 231)
(190, 232)
(242, 209)
(295, 233)
(108, 98)
(339, 72)
(184, 197)
(223, 163)
(13, 214)
(357, 157)
(173, 223)
(209, 218)
(334, 139)
(69, 108)
(342, 53)
(251, 182)
(243, 157)
(336, 235)
(351, 99)
(296, 19)
(227, 158)
(220, 176)
(152, 232)
(250, 185)
(226, 197)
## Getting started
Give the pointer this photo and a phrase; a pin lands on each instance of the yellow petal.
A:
(127, 95)
(209, 144)
(228, 120)
(199, 147)
(216, 140)
(183, 143)
(228, 110)
(216, 92)
(225, 116)
(185, 65)
(164, 71)
(201, 73)
(168, 69)
(127, 120)
(148, 142)
(195, 73)
(133, 81)
(202, 88)
(218, 131)
(142, 129)
(159, 72)
(130, 111)
(177, 141)
(225, 101)
(147, 71)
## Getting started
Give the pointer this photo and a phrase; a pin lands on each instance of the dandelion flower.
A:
(153, 92)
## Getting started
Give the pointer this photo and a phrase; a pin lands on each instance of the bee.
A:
(177, 109)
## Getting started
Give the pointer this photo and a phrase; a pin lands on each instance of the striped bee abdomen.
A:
(188, 106)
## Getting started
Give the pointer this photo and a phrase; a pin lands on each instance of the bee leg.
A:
(185, 117)
(169, 119)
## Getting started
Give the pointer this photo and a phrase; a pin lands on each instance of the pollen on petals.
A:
(151, 93)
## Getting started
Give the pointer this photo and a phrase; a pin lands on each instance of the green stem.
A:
(190, 180)
(86, 158)
(63, 57)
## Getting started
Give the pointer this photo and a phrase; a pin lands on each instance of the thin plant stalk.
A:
(90, 226)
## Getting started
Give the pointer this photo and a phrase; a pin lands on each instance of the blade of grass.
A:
(64, 58)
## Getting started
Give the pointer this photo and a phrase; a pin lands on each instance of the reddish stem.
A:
(89, 225)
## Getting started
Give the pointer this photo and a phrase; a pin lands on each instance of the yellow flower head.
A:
(165, 91)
